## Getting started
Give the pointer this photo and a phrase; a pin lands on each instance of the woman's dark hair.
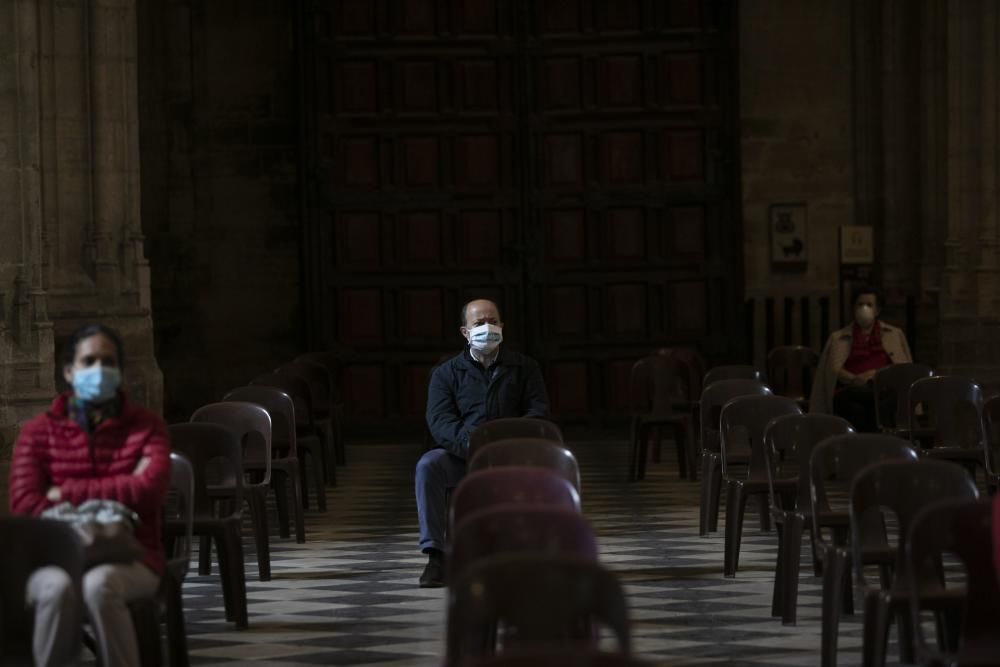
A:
(858, 290)
(86, 331)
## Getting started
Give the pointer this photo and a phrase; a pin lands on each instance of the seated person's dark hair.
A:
(858, 290)
(86, 331)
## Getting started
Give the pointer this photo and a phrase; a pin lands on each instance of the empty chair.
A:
(834, 464)
(325, 408)
(30, 544)
(733, 372)
(713, 398)
(659, 384)
(962, 528)
(511, 484)
(533, 452)
(252, 424)
(903, 488)
(788, 445)
(540, 602)
(506, 428)
(744, 469)
(285, 466)
(214, 449)
(790, 372)
(991, 422)
(892, 394)
(946, 418)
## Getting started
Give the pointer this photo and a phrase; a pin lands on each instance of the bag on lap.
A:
(106, 529)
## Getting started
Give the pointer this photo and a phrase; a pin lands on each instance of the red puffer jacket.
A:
(52, 450)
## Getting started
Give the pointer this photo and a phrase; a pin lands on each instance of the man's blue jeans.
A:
(437, 471)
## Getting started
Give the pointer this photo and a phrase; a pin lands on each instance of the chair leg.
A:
(792, 547)
(225, 578)
(279, 482)
(708, 481)
(205, 555)
(736, 500)
(304, 478)
(876, 630)
(765, 512)
(256, 498)
(834, 574)
(239, 580)
(296, 484)
(320, 489)
(777, 592)
(715, 479)
(905, 632)
(176, 632)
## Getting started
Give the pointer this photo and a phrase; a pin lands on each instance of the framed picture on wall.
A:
(789, 240)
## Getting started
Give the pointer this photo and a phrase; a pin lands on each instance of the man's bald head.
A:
(479, 312)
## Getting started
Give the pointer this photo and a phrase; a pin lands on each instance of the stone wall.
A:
(220, 200)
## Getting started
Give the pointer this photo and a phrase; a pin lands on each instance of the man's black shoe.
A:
(433, 576)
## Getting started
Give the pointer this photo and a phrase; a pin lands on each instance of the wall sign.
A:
(789, 243)
(856, 245)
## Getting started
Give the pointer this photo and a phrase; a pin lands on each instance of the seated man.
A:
(844, 378)
(482, 383)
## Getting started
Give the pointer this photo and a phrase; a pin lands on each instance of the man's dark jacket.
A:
(463, 394)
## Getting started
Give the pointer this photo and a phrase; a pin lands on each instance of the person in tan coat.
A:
(844, 377)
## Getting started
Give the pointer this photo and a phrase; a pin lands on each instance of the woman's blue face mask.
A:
(97, 383)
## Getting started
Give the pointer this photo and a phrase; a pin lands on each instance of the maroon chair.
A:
(511, 484)
(533, 452)
(904, 489)
(713, 398)
(510, 528)
(507, 428)
(833, 465)
(325, 408)
(790, 372)
(788, 445)
(252, 424)
(949, 425)
(741, 449)
(991, 419)
(540, 602)
(964, 529)
(892, 395)
(285, 465)
(310, 447)
(659, 384)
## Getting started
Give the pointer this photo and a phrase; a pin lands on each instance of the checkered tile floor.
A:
(348, 596)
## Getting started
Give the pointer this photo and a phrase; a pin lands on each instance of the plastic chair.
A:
(507, 428)
(892, 388)
(252, 424)
(713, 398)
(788, 444)
(790, 372)
(533, 452)
(903, 488)
(285, 465)
(328, 412)
(963, 528)
(659, 384)
(511, 484)
(953, 410)
(741, 448)
(509, 528)
(213, 448)
(733, 372)
(991, 422)
(28, 545)
(834, 463)
(308, 442)
(545, 602)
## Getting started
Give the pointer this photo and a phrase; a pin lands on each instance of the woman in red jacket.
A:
(93, 443)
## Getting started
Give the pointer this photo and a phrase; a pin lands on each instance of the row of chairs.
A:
(525, 583)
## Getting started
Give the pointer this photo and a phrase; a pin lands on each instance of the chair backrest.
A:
(534, 452)
(789, 441)
(962, 528)
(892, 387)
(501, 529)
(742, 423)
(657, 383)
(790, 370)
(216, 456)
(511, 484)
(296, 387)
(320, 384)
(904, 488)
(690, 358)
(539, 601)
(837, 460)
(506, 428)
(252, 423)
(952, 406)
(279, 405)
(715, 396)
(991, 423)
(28, 545)
(182, 488)
(733, 372)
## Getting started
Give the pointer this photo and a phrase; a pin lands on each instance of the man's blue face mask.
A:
(96, 384)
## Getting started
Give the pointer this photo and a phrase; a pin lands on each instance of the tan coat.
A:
(838, 348)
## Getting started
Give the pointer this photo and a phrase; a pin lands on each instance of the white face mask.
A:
(485, 338)
(864, 315)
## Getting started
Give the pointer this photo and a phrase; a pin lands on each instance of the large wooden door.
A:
(569, 158)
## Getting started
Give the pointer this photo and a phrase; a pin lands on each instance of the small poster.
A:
(856, 245)
(788, 234)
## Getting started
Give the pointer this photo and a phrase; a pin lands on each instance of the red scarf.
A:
(867, 353)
